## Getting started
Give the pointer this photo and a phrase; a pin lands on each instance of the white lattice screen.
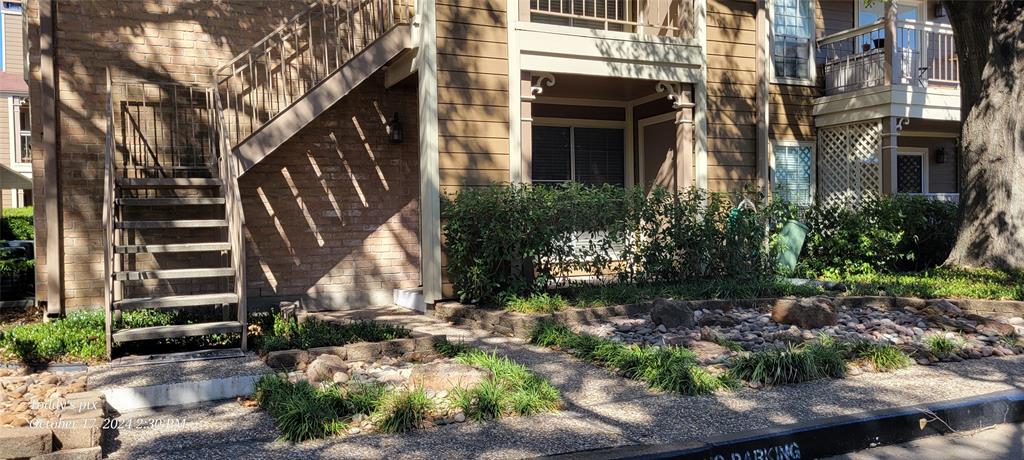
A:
(849, 162)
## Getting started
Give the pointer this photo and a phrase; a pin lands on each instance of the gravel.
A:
(601, 410)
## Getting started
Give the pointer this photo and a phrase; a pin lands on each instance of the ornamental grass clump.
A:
(301, 412)
(792, 364)
(671, 369)
(511, 389)
(536, 303)
(883, 357)
(944, 345)
(402, 411)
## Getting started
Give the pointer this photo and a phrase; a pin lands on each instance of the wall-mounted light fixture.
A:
(395, 134)
(940, 155)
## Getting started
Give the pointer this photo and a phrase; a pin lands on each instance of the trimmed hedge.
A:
(515, 240)
(17, 224)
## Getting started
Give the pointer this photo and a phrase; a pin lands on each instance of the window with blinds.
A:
(592, 156)
(793, 174)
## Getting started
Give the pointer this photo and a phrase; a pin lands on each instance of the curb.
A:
(835, 435)
(124, 399)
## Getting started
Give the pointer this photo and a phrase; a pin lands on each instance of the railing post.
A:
(108, 221)
(890, 43)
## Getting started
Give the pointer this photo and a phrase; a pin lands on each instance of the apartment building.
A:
(236, 153)
(15, 130)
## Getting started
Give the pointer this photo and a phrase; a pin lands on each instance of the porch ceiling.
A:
(605, 88)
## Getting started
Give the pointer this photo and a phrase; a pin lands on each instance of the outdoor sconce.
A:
(940, 155)
(395, 135)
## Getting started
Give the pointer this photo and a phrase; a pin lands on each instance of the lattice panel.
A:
(849, 162)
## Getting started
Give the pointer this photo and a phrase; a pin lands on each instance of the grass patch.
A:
(605, 295)
(883, 357)
(946, 283)
(794, 364)
(301, 411)
(943, 345)
(287, 334)
(537, 303)
(671, 369)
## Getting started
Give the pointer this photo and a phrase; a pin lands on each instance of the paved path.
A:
(999, 442)
(601, 410)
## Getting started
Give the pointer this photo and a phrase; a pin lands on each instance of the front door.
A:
(659, 162)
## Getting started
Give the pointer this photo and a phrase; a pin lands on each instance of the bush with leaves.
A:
(878, 235)
(516, 240)
(17, 224)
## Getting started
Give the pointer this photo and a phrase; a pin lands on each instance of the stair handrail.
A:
(336, 24)
(108, 218)
(228, 172)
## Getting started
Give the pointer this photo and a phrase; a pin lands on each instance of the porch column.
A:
(891, 127)
(890, 43)
(526, 126)
(684, 147)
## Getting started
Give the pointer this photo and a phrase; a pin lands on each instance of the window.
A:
(792, 40)
(23, 128)
(793, 177)
(15, 7)
(911, 172)
(592, 156)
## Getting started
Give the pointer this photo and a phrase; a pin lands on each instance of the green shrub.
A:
(290, 334)
(16, 224)
(779, 366)
(78, 337)
(516, 240)
(402, 411)
(878, 235)
(670, 369)
(365, 398)
(17, 265)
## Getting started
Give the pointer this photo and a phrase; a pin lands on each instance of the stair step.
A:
(169, 201)
(174, 274)
(143, 224)
(176, 301)
(168, 182)
(185, 330)
(165, 248)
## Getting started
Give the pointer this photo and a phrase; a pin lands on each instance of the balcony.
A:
(664, 18)
(922, 56)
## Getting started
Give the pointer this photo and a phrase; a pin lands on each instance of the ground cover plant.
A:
(946, 283)
(882, 357)
(794, 364)
(287, 333)
(671, 369)
(303, 411)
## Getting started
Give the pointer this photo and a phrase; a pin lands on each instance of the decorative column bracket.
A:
(543, 79)
(674, 92)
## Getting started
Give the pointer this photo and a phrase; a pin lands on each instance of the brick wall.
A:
(333, 214)
(179, 41)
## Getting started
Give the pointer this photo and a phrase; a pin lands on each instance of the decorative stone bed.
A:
(984, 328)
(49, 415)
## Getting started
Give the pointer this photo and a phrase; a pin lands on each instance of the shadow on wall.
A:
(332, 217)
(158, 41)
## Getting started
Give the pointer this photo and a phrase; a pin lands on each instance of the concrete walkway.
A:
(601, 410)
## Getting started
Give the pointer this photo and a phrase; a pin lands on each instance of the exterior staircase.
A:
(173, 154)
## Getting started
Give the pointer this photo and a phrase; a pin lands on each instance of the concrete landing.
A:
(176, 383)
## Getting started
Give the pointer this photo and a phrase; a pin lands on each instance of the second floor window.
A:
(24, 132)
(792, 39)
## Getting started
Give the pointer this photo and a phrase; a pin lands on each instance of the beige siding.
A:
(732, 81)
(14, 50)
(472, 61)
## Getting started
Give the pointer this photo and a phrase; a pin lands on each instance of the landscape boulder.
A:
(324, 367)
(941, 307)
(287, 359)
(672, 313)
(809, 313)
(444, 376)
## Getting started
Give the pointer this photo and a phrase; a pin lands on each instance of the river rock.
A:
(324, 367)
(672, 313)
(809, 313)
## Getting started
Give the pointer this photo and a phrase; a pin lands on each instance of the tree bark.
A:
(990, 45)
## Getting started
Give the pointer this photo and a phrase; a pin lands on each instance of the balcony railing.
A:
(673, 18)
(923, 55)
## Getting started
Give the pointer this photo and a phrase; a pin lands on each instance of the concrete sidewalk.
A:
(601, 410)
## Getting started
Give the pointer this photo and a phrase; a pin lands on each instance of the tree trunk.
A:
(990, 45)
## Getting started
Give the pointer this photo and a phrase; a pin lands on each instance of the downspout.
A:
(763, 112)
